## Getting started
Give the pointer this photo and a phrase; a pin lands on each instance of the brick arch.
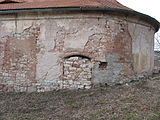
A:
(11, 1)
(77, 53)
(77, 72)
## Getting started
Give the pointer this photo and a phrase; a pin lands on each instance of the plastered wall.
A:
(37, 49)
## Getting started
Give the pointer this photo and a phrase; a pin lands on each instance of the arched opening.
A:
(81, 56)
(77, 71)
(10, 1)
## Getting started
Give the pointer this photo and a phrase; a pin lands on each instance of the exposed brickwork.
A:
(115, 43)
(77, 72)
(71, 51)
(19, 61)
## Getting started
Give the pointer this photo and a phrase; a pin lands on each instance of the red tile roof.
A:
(27, 4)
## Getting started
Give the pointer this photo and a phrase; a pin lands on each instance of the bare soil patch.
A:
(134, 101)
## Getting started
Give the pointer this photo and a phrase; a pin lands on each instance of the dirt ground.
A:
(134, 101)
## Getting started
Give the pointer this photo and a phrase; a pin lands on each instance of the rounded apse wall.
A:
(44, 51)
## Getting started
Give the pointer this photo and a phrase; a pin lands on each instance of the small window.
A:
(103, 65)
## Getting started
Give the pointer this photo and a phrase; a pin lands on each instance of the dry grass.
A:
(135, 101)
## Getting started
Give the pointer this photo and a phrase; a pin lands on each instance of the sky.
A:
(149, 7)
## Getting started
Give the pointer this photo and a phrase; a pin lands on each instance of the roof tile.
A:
(27, 4)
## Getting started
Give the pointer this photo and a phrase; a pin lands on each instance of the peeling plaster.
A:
(33, 50)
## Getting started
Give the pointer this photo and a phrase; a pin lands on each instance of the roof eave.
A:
(145, 17)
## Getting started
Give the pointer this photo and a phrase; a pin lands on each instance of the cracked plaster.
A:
(33, 48)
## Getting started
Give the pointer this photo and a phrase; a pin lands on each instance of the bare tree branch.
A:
(157, 41)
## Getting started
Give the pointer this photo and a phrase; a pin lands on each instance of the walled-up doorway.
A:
(77, 72)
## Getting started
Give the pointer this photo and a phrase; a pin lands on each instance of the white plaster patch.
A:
(21, 25)
(6, 28)
(48, 68)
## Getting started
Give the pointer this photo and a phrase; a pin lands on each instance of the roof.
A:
(28, 4)
(12, 6)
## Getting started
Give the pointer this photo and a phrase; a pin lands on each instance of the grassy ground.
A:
(134, 101)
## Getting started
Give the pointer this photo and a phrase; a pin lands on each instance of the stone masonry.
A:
(77, 72)
(45, 51)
